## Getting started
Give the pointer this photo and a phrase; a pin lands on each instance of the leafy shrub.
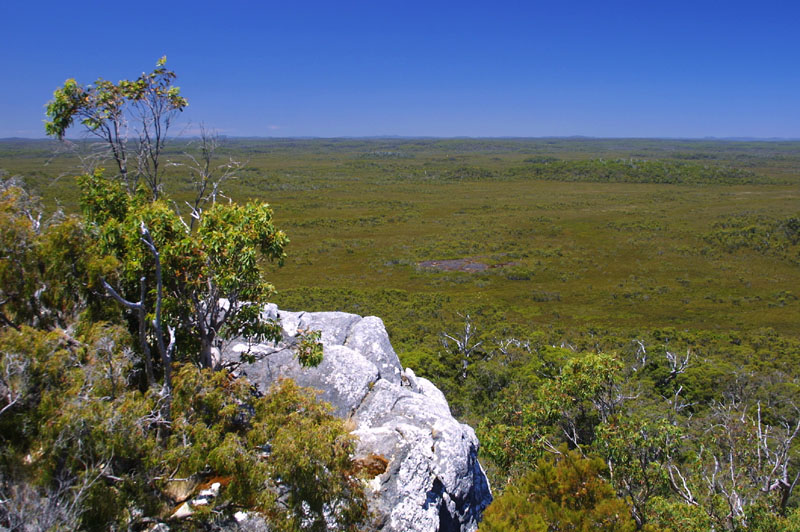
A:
(561, 494)
(79, 432)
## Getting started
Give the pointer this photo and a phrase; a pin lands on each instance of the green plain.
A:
(589, 251)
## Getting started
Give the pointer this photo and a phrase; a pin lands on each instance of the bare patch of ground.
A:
(459, 265)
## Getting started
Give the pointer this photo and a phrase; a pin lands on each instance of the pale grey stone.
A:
(369, 337)
(419, 431)
(334, 326)
(344, 389)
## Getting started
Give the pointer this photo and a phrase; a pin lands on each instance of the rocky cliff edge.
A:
(425, 465)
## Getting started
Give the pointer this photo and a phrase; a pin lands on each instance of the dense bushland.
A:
(95, 435)
(679, 419)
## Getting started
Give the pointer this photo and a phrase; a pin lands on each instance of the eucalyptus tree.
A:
(149, 105)
(188, 280)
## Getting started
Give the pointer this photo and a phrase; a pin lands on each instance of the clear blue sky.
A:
(644, 68)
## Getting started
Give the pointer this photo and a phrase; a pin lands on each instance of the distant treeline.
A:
(546, 168)
(289, 160)
(633, 171)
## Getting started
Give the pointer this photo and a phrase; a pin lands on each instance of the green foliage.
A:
(309, 350)
(67, 100)
(311, 455)
(43, 264)
(633, 171)
(102, 199)
(671, 440)
(19, 256)
(211, 282)
(512, 440)
(567, 493)
(640, 451)
(678, 516)
(78, 423)
(762, 234)
(570, 404)
(284, 446)
(98, 106)
(105, 110)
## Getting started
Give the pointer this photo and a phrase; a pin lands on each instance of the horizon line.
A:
(739, 138)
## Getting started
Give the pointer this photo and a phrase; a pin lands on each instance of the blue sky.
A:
(643, 68)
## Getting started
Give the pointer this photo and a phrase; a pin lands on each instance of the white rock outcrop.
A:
(431, 479)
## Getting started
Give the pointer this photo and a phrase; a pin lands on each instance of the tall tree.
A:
(107, 110)
(187, 283)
